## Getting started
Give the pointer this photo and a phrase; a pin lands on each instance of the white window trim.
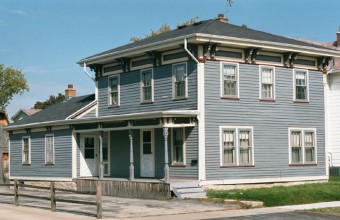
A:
(260, 82)
(263, 62)
(236, 129)
(302, 130)
(306, 66)
(294, 85)
(173, 81)
(173, 60)
(109, 91)
(172, 148)
(227, 49)
(53, 151)
(237, 79)
(29, 150)
(141, 86)
(108, 156)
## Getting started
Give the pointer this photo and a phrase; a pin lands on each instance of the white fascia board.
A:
(136, 50)
(82, 110)
(334, 71)
(267, 45)
(145, 115)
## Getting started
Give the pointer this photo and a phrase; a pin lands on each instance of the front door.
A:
(147, 153)
(89, 158)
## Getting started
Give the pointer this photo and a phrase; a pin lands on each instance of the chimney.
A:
(70, 92)
(221, 18)
(338, 38)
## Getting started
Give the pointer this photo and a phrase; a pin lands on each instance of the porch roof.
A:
(111, 118)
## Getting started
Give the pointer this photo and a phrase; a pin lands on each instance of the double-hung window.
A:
(180, 81)
(237, 146)
(26, 150)
(114, 90)
(49, 149)
(147, 85)
(178, 146)
(229, 80)
(302, 145)
(267, 87)
(300, 85)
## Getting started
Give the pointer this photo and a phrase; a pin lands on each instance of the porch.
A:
(146, 149)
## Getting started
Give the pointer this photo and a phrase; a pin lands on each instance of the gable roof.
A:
(60, 111)
(24, 111)
(208, 27)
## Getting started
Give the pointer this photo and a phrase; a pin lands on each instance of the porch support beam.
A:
(166, 155)
(131, 168)
(101, 165)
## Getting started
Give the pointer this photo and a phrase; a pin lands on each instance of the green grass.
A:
(327, 211)
(292, 195)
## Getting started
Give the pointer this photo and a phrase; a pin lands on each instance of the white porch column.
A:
(131, 168)
(166, 154)
(101, 165)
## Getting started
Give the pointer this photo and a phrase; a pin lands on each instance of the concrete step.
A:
(184, 184)
(193, 195)
(189, 190)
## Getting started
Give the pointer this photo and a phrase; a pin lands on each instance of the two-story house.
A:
(211, 101)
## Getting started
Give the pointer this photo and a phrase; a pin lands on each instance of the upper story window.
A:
(178, 148)
(26, 150)
(301, 85)
(302, 145)
(180, 81)
(147, 85)
(237, 146)
(49, 149)
(114, 85)
(230, 80)
(267, 87)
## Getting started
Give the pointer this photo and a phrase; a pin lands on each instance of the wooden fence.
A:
(150, 190)
(53, 199)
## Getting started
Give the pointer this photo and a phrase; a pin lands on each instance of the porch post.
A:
(166, 155)
(101, 165)
(131, 168)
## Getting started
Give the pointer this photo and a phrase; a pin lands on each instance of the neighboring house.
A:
(23, 113)
(3, 147)
(212, 102)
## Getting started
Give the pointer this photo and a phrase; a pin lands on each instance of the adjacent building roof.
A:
(211, 27)
(21, 113)
(60, 111)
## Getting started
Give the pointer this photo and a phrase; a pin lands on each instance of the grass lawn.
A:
(327, 211)
(291, 195)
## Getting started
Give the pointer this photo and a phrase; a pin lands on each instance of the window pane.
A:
(105, 146)
(309, 151)
(147, 148)
(309, 147)
(49, 149)
(296, 155)
(178, 144)
(229, 80)
(25, 150)
(114, 90)
(245, 147)
(229, 147)
(89, 148)
(301, 92)
(244, 155)
(180, 81)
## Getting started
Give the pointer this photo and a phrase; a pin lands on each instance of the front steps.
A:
(187, 189)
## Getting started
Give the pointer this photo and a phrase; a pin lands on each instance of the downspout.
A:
(201, 110)
(89, 75)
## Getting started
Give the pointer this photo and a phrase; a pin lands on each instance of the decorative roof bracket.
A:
(323, 62)
(155, 57)
(250, 54)
(125, 63)
(97, 68)
(289, 59)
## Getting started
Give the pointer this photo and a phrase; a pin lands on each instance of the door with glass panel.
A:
(89, 156)
(147, 159)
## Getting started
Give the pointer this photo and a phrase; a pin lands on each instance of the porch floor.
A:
(141, 180)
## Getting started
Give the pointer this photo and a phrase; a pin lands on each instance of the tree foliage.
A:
(164, 28)
(53, 99)
(12, 82)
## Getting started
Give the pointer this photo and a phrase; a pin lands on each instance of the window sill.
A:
(267, 100)
(146, 102)
(26, 164)
(301, 101)
(113, 106)
(49, 164)
(178, 165)
(235, 166)
(230, 98)
(303, 165)
(179, 99)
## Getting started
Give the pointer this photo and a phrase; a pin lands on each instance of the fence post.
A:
(16, 196)
(53, 201)
(99, 200)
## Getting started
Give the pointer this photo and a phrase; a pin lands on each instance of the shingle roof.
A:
(58, 111)
(212, 27)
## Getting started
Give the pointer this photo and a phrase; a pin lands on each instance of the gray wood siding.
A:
(63, 155)
(270, 121)
(120, 154)
(130, 92)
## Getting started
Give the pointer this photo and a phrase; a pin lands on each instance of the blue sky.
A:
(45, 38)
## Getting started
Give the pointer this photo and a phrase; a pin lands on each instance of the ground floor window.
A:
(236, 146)
(26, 150)
(178, 146)
(302, 145)
(49, 149)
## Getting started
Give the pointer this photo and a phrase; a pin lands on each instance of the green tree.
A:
(53, 99)
(12, 82)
